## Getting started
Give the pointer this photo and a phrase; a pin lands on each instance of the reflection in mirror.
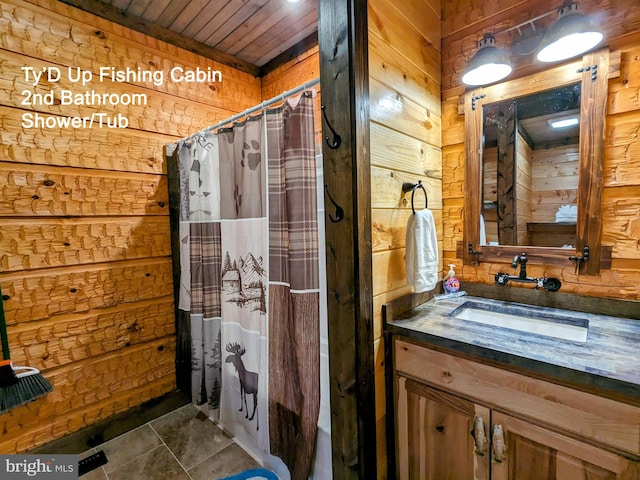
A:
(530, 165)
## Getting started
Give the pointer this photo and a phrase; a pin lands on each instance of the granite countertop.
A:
(607, 363)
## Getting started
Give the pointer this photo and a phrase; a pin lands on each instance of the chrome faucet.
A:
(522, 260)
(549, 284)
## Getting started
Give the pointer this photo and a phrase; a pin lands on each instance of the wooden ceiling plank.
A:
(155, 9)
(190, 10)
(137, 7)
(138, 24)
(208, 13)
(280, 43)
(168, 15)
(293, 52)
(237, 23)
(268, 21)
(120, 4)
(230, 9)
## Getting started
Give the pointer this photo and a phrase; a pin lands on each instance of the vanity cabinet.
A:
(449, 411)
(434, 434)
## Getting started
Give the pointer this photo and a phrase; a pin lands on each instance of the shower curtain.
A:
(249, 280)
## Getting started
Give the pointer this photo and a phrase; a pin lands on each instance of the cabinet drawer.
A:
(601, 420)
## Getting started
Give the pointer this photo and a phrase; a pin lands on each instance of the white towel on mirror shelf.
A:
(483, 231)
(567, 213)
(422, 251)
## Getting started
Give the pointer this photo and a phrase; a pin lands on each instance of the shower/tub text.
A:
(97, 119)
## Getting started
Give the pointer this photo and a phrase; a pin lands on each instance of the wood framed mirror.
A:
(590, 77)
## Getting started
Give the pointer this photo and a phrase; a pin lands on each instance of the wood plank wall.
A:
(463, 23)
(84, 242)
(404, 87)
(554, 180)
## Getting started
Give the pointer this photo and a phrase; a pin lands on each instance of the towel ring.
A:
(407, 186)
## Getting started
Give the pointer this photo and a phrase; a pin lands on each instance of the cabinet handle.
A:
(479, 435)
(497, 441)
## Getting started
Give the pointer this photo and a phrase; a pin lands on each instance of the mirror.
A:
(587, 80)
(530, 169)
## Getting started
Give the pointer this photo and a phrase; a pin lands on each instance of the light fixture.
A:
(488, 65)
(564, 122)
(572, 35)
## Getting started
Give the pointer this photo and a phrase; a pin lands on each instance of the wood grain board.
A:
(84, 224)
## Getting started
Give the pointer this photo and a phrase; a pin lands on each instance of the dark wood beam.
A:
(507, 172)
(344, 78)
(288, 55)
(141, 25)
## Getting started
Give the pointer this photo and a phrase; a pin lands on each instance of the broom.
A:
(18, 385)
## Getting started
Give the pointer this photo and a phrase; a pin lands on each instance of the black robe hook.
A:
(337, 140)
(339, 211)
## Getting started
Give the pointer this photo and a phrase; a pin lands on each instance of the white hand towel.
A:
(483, 231)
(422, 251)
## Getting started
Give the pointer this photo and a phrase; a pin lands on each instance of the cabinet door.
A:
(535, 453)
(434, 431)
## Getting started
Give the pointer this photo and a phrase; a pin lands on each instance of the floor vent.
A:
(92, 462)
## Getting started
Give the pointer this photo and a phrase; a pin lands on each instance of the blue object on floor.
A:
(254, 473)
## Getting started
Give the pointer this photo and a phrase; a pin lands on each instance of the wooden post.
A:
(592, 134)
(344, 75)
(507, 172)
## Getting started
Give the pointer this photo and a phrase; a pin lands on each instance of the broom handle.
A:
(3, 330)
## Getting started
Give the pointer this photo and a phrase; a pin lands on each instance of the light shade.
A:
(573, 34)
(488, 65)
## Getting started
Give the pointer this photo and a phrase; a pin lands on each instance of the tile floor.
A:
(181, 445)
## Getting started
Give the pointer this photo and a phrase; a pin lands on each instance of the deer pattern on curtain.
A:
(249, 279)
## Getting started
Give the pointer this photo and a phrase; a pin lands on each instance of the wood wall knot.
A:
(446, 376)
(100, 34)
(48, 183)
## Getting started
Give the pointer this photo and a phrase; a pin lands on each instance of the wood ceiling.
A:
(252, 35)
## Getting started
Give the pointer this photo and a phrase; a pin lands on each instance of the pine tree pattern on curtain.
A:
(249, 279)
(200, 244)
(244, 282)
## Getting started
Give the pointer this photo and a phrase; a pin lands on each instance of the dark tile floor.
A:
(181, 445)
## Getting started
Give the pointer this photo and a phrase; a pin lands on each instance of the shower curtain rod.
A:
(260, 106)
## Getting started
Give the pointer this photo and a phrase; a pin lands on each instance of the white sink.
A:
(523, 319)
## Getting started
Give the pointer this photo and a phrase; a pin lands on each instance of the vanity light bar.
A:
(571, 35)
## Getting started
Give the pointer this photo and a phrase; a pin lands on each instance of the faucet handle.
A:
(549, 284)
(501, 278)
